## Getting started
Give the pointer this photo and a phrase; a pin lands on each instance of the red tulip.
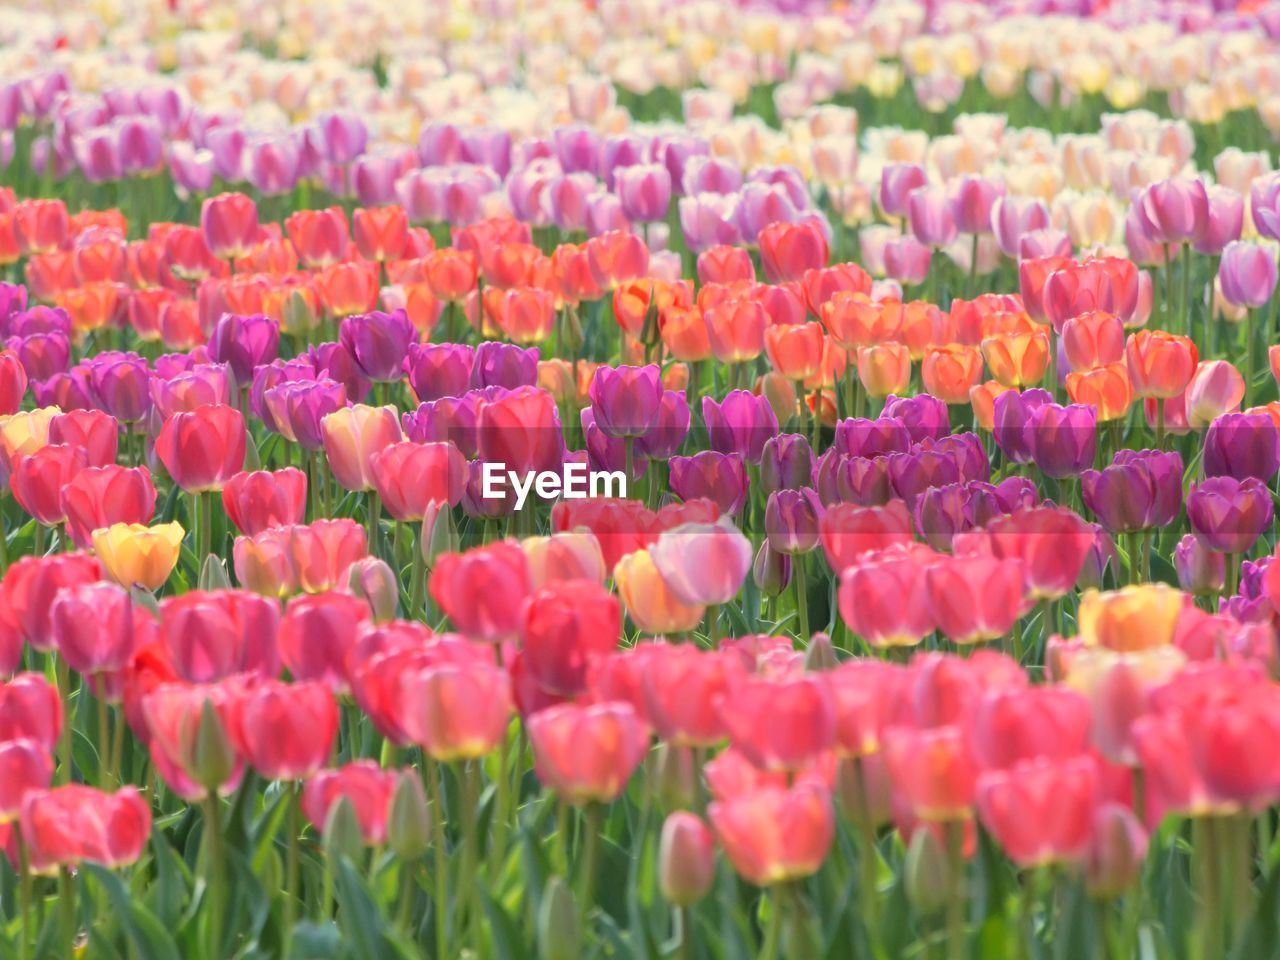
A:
(258, 499)
(319, 236)
(102, 496)
(848, 531)
(587, 754)
(456, 711)
(285, 730)
(884, 599)
(780, 723)
(30, 709)
(862, 695)
(365, 785)
(482, 590)
(775, 834)
(29, 588)
(230, 225)
(564, 626)
(38, 479)
(215, 634)
(74, 824)
(193, 758)
(96, 432)
(976, 598)
(1052, 543)
(380, 233)
(95, 627)
(409, 477)
(684, 690)
(25, 766)
(203, 449)
(320, 552)
(1010, 726)
(787, 250)
(933, 771)
(13, 382)
(317, 635)
(1041, 811)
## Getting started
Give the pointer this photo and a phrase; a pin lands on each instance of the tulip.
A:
(1174, 210)
(791, 520)
(736, 329)
(702, 564)
(1160, 364)
(1141, 490)
(795, 350)
(783, 723)
(650, 601)
(775, 834)
(94, 627)
(1052, 543)
(482, 589)
(134, 555)
(1215, 388)
(319, 236)
(1041, 811)
(522, 430)
(930, 218)
(409, 477)
(437, 370)
(244, 343)
(1242, 445)
(364, 785)
(787, 250)
(1247, 274)
(625, 401)
(1061, 440)
(907, 260)
(318, 633)
(725, 264)
(256, 500)
(202, 449)
(1229, 515)
(948, 372)
(742, 423)
(883, 598)
(973, 599)
(30, 585)
(1116, 852)
(847, 531)
(565, 626)
(1200, 571)
(379, 343)
(30, 710)
(1131, 619)
(189, 739)
(13, 382)
(299, 408)
(285, 730)
(352, 435)
(229, 222)
(120, 385)
(211, 635)
(456, 711)
(74, 824)
(686, 859)
(316, 556)
(1106, 389)
(28, 769)
(380, 233)
(38, 479)
(1017, 360)
(720, 478)
(587, 754)
(934, 770)
(101, 496)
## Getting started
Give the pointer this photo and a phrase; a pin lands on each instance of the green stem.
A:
(817, 419)
(1250, 355)
(469, 774)
(373, 506)
(773, 932)
(67, 902)
(214, 866)
(417, 574)
(105, 781)
(802, 597)
(291, 890)
(713, 625)
(431, 774)
(24, 897)
(956, 941)
(594, 816)
(868, 861)
(63, 673)
(404, 912)
(501, 808)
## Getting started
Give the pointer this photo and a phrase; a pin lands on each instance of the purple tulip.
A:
(298, 406)
(13, 300)
(340, 137)
(645, 192)
(191, 168)
(333, 360)
(791, 520)
(719, 477)
(941, 513)
(1201, 571)
(897, 181)
(1044, 243)
(1010, 421)
(211, 383)
(42, 354)
(244, 343)
(760, 205)
(621, 152)
(972, 203)
(710, 175)
(1174, 210)
(121, 385)
(859, 437)
(479, 507)
(506, 365)
(1247, 274)
(930, 218)
(1011, 495)
(1062, 439)
(741, 423)
(1242, 445)
(1224, 222)
(273, 164)
(438, 370)
(141, 144)
(1228, 515)
(669, 430)
(1264, 205)
(786, 463)
(578, 148)
(911, 474)
(967, 451)
(40, 319)
(1140, 490)
(925, 416)
(608, 453)
(265, 377)
(448, 418)
(565, 201)
(69, 391)
(439, 143)
(709, 220)
(678, 151)
(906, 259)
(1013, 218)
(378, 342)
(625, 400)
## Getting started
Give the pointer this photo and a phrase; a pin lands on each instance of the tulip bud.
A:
(686, 859)
(675, 776)
(299, 315)
(821, 654)
(558, 936)
(215, 757)
(342, 836)
(373, 581)
(213, 574)
(928, 872)
(439, 536)
(771, 570)
(409, 822)
(1116, 854)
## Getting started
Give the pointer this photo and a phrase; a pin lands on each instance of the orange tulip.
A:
(1161, 364)
(380, 233)
(649, 601)
(1132, 619)
(527, 314)
(923, 326)
(795, 350)
(1019, 359)
(736, 330)
(1106, 388)
(884, 368)
(1093, 339)
(834, 360)
(684, 333)
(983, 399)
(855, 320)
(348, 288)
(450, 273)
(949, 371)
(509, 264)
(95, 305)
(418, 303)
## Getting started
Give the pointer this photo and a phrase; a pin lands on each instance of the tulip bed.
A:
(936, 347)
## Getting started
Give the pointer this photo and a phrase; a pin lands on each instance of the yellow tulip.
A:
(1131, 619)
(138, 556)
(652, 605)
(25, 432)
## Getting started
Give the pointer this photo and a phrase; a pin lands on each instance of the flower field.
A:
(555, 480)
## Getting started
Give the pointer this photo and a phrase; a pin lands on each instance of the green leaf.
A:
(316, 942)
(1074, 934)
(358, 916)
(147, 934)
(503, 932)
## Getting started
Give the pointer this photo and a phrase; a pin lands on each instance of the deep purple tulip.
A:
(121, 385)
(69, 391)
(40, 319)
(609, 453)
(448, 418)
(271, 375)
(476, 505)
(1228, 515)
(1062, 440)
(791, 520)
(335, 361)
(860, 480)
(913, 473)
(668, 432)
(988, 501)
(13, 300)
(786, 463)
(720, 477)
(741, 423)
(1011, 412)
(42, 354)
(625, 399)
(438, 370)
(859, 437)
(941, 513)
(1242, 445)
(1140, 490)
(504, 365)
(378, 342)
(925, 416)
(244, 342)
(967, 451)
(298, 406)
